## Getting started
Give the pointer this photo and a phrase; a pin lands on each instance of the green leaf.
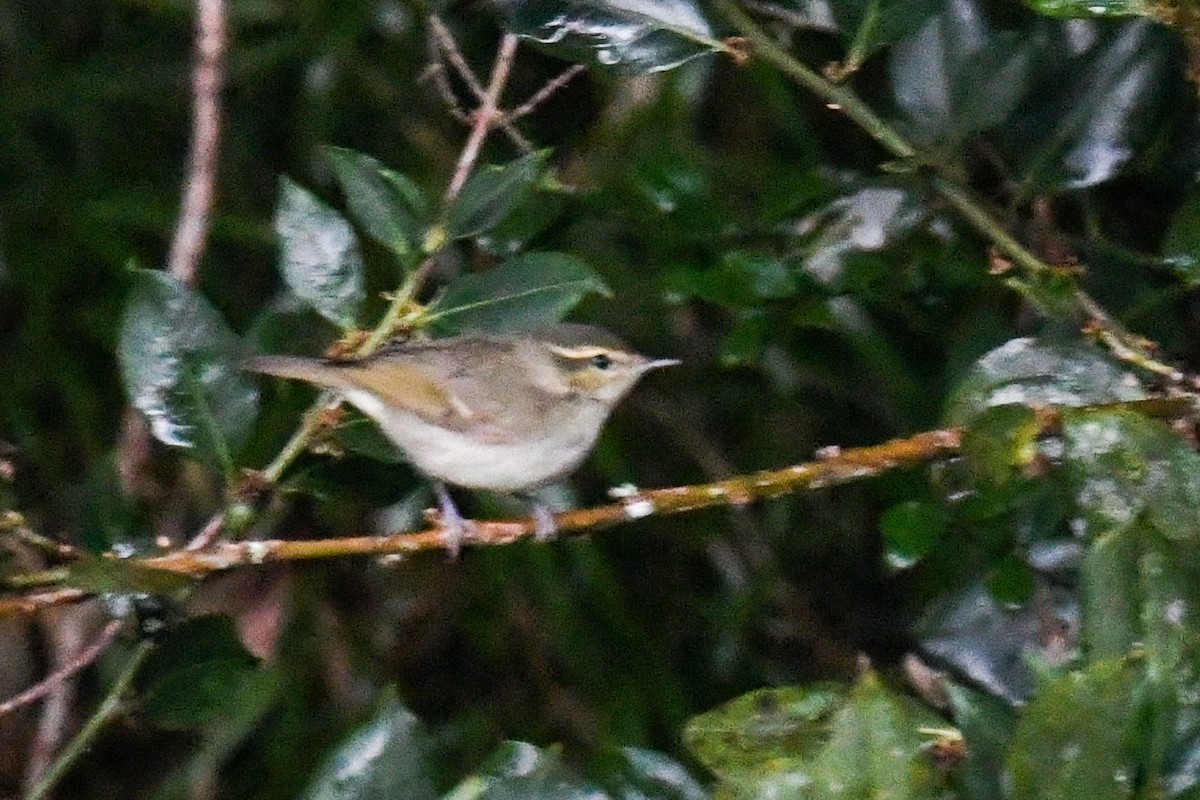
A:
(388, 756)
(105, 575)
(1011, 582)
(197, 674)
(527, 291)
(1181, 245)
(868, 220)
(819, 743)
(1091, 9)
(179, 366)
(999, 440)
(987, 725)
(627, 36)
(639, 773)
(319, 255)
(1071, 133)
(519, 769)
(1124, 465)
(1076, 738)
(868, 25)
(388, 206)
(491, 194)
(911, 530)
(955, 77)
(1034, 372)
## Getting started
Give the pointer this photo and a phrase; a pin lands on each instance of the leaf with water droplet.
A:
(627, 36)
(179, 363)
(1035, 372)
(1123, 464)
(319, 255)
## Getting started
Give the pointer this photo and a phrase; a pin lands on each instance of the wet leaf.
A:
(641, 773)
(179, 363)
(955, 77)
(519, 769)
(991, 642)
(1089, 9)
(388, 206)
(1034, 372)
(527, 291)
(868, 220)
(628, 36)
(319, 255)
(388, 756)
(1093, 111)
(1124, 465)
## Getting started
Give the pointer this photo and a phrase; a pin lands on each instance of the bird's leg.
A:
(544, 527)
(453, 525)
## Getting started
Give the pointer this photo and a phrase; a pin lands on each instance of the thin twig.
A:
(543, 94)
(485, 117)
(191, 232)
(445, 41)
(208, 534)
(436, 73)
(77, 662)
(442, 41)
(108, 710)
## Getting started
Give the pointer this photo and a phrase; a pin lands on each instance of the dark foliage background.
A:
(818, 289)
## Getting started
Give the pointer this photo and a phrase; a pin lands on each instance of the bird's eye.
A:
(601, 361)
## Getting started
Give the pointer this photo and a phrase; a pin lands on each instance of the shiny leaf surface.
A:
(629, 36)
(179, 365)
(388, 756)
(319, 255)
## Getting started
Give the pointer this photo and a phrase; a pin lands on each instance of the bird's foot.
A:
(454, 527)
(545, 529)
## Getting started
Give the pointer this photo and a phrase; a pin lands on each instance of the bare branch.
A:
(485, 117)
(76, 663)
(191, 232)
(543, 94)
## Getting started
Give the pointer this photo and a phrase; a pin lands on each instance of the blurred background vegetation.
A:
(820, 291)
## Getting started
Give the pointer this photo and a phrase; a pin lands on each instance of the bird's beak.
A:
(662, 362)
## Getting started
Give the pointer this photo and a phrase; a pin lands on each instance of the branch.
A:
(485, 117)
(77, 662)
(191, 232)
(108, 710)
(835, 467)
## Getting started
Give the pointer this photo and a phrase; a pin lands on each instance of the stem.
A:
(83, 740)
(485, 117)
